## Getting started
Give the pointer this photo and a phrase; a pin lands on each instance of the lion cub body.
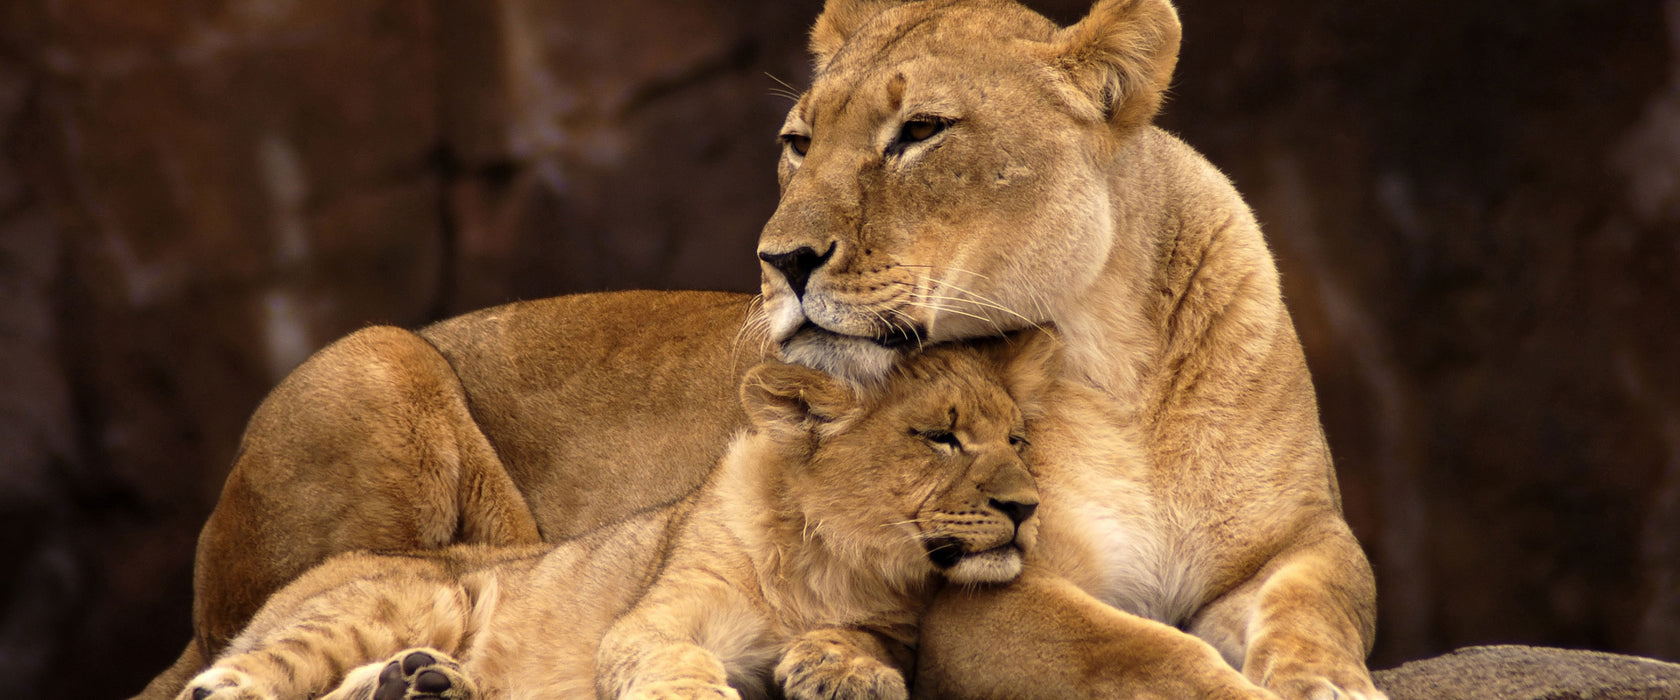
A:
(811, 549)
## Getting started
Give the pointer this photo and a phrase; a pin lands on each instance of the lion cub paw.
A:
(822, 670)
(683, 690)
(223, 684)
(1321, 688)
(423, 674)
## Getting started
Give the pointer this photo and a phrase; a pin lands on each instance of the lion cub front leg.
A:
(838, 663)
(643, 657)
(652, 669)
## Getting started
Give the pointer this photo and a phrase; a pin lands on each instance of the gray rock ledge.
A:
(1531, 673)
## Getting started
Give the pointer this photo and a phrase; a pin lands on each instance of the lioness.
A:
(958, 168)
(811, 550)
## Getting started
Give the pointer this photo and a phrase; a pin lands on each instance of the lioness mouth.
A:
(894, 339)
(855, 358)
(897, 337)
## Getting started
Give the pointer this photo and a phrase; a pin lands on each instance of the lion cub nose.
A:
(797, 266)
(1018, 511)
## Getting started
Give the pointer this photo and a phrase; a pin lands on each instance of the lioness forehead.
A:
(946, 58)
(966, 29)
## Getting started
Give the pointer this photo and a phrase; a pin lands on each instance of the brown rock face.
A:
(1476, 207)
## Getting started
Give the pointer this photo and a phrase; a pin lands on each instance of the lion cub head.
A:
(949, 172)
(919, 473)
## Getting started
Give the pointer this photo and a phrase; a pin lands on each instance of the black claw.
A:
(432, 682)
(391, 683)
(416, 661)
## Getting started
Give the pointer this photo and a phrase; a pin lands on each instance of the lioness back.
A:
(599, 380)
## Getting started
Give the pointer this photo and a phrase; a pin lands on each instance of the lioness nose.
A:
(1017, 511)
(798, 265)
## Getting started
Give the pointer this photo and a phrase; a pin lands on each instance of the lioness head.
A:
(947, 175)
(923, 470)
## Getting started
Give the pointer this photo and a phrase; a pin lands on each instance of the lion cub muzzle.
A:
(980, 535)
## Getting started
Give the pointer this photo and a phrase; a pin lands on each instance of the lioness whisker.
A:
(987, 301)
(790, 88)
(910, 325)
(755, 322)
(959, 312)
(968, 272)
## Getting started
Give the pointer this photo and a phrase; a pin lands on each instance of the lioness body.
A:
(958, 168)
(811, 549)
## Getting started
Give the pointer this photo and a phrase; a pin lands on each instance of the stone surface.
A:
(1531, 673)
(1476, 208)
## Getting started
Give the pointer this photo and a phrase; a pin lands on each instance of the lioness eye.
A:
(920, 130)
(1018, 441)
(800, 143)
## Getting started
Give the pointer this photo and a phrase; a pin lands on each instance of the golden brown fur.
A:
(807, 556)
(958, 167)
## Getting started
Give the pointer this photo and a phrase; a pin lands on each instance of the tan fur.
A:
(1188, 485)
(804, 561)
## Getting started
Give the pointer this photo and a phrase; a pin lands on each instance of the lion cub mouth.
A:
(995, 565)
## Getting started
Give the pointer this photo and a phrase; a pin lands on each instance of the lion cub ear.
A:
(780, 397)
(1121, 57)
(840, 19)
(1028, 361)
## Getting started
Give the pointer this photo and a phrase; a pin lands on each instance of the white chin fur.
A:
(992, 566)
(858, 360)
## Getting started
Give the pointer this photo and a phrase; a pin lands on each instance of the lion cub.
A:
(805, 559)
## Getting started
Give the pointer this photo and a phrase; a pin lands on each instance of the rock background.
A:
(1476, 207)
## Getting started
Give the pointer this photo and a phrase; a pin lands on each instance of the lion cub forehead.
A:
(950, 387)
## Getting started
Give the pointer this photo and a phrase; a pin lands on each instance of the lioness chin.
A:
(957, 169)
(803, 562)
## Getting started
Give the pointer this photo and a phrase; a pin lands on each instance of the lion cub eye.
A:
(939, 437)
(800, 143)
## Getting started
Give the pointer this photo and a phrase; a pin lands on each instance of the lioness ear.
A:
(782, 397)
(1028, 361)
(840, 19)
(1121, 57)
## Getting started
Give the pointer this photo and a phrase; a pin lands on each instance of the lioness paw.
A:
(422, 674)
(223, 684)
(826, 671)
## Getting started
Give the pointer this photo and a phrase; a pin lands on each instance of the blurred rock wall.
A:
(1476, 207)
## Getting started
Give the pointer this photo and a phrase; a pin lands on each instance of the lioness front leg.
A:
(1043, 637)
(1308, 620)
(836, 663)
